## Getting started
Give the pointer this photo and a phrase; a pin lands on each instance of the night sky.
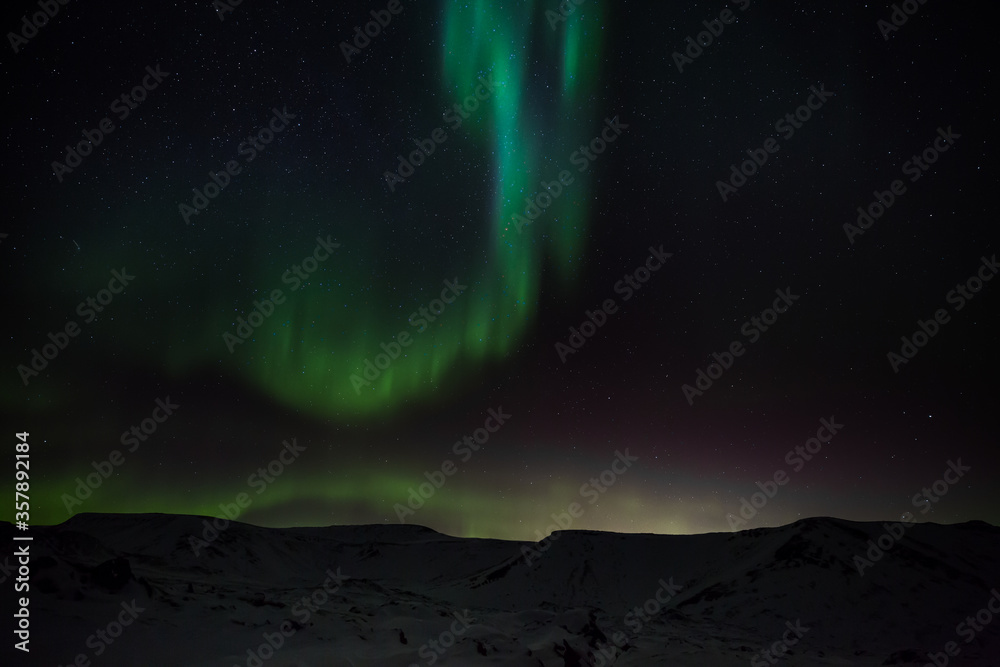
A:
(256, 312)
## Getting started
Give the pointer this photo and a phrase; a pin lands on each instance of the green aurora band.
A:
(305, 354)
(312, 371)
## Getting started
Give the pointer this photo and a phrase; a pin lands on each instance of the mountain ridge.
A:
(711, 598)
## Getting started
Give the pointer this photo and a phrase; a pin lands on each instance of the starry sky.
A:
(495, 250)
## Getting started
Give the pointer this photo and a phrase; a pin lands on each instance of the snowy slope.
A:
(379, 595)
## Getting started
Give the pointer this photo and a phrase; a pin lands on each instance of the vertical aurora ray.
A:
(542, 109)
(580, 51)
(529, 127)
(573, 49)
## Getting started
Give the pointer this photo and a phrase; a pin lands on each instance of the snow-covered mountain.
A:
(154, 589)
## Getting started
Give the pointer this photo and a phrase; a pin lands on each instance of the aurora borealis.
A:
(379, 321)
